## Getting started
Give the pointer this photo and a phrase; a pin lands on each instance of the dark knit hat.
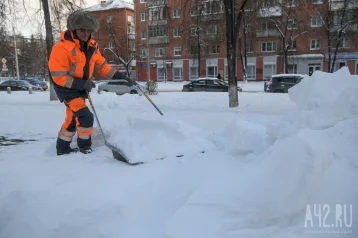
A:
(82, 20)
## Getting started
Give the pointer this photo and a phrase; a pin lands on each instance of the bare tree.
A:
(246, 34)
(340, 21)
(201, 27)
(285, 20)
(233, 13)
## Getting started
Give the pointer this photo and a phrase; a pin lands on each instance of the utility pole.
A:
(16, 59)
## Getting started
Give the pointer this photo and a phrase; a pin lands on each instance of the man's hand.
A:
(89, 85)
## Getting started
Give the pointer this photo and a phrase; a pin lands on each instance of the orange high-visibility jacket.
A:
(69, 65)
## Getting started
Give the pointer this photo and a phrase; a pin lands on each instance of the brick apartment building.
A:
(116, 31)
(172, 31)
(188, 41)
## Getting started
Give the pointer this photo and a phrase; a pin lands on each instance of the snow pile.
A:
(324, 99)
(158, 138)
(299, 166)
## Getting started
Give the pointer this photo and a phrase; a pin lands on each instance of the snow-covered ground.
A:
(266, 165)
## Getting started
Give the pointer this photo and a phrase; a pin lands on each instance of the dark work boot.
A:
(85, 145)
(86, 151)
(66, 151)
(63, 147)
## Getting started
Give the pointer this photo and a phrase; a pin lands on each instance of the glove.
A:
(89, 85)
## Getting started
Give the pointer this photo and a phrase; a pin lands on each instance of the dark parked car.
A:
(207, 85)
(280, 83)
(36, 82)
(17, 85)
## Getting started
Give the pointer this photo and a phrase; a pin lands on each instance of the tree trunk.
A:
(49, 42)
(231, 54)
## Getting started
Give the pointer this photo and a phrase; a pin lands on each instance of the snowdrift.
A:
(259, 171)
(308, 157)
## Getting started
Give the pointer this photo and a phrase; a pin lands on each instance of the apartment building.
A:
(116, 32)
(183, 42)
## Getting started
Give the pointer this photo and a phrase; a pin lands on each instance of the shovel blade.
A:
(119, 155)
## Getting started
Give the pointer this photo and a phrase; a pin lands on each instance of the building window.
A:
(176, 13)
(270, 3)
(109, 19)
(292, 45)
(143, 1)
(317, 1)
(215, 49)
(292, 68)
(130, 19)
(144, 53)
(269, 70)
(110, 45)
(176, 32)
(158, 31)
(213, 7)
(212, 29)
(194, 31)
(342, 43)
(194, 74)
(177, 51)
(159, 52)
(291, 24)
(157, 14)
(357, 67)
(249, 46)
(212, 71)
(268, 47)
(178, 74)
(339, 65)
(292, 3)
(316, 21)
(315, 44)
(142, 16)
(144, 35)
(251, 72)
(162, 74)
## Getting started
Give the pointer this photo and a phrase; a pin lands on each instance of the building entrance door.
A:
(312, 68)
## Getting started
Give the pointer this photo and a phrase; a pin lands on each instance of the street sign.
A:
(4, 67)
(3, 60)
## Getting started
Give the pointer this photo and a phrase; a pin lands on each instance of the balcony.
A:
(338, 5)
(348, 28)
(267, 33)
(160, 22)
(156, 3)
(159, 40)
(212, 37)
(212, 17)
(131, 36)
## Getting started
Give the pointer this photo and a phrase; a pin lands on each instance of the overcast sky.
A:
(27, 24)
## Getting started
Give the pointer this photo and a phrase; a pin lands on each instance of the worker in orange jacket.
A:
(73, 62)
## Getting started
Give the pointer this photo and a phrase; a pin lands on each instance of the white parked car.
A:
(119, 87)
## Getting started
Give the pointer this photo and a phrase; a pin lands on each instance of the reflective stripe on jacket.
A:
(70, 65)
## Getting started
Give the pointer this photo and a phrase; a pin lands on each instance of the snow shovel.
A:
(118, 154)
(150, 100)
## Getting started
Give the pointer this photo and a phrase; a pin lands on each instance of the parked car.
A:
(280, 83)
(43, 85)
(18, 85)
(207, 85)
(119, 87)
